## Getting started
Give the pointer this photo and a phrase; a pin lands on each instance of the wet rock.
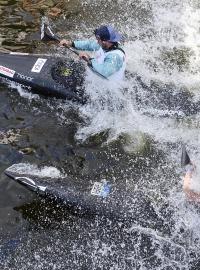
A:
(97, 139)
(5, 3)
(53, 8)
(49, 3)
(27, 16)
(8, 155)
(27, 150)
(21, 36)
(54, 12)
(3, 49)
(9, 137)
(31, 5)
(138, 143)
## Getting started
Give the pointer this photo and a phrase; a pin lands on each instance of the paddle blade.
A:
(47, 33)
(185, 159)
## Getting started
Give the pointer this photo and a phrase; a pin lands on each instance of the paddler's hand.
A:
(66, 43)
(84, 56)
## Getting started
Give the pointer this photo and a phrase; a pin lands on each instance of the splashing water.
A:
(44, 172)
(164, 50)
(162, 47)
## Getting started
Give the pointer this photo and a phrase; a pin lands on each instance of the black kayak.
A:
(100, 198)
(45, 74)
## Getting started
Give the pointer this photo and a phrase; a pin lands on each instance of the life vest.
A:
(101, 55)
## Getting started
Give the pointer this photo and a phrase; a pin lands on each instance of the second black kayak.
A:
(46, 75)
(102, 198)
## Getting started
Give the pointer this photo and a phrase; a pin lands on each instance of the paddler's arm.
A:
(85, 45)
(112, 63)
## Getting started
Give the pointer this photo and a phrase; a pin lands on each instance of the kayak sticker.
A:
(7, 72)
(101, 189)
(38, 65)
(24, 77)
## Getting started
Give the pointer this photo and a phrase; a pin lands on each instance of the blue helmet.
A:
(107, 33)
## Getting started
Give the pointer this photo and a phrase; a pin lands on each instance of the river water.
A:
(133, 135)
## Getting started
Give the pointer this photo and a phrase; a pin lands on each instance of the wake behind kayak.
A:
(46, 75)
(89, 197)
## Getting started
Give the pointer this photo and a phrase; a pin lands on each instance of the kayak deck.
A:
(46, 75)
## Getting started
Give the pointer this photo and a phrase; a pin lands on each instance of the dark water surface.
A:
(98, 142)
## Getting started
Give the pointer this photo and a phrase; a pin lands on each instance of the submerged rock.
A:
(27, 150)
(8, 155)
(9, 136)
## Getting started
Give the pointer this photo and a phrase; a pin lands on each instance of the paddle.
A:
(47, 34)
(185, 159)
(30, 184)
(26, 181)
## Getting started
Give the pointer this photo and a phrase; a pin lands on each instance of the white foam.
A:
(172, 28)
(46, 171)
(23, 91)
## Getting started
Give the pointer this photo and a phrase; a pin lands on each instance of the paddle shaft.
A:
(54, 37)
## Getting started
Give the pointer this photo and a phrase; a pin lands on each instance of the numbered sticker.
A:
(38, 65)
(100, 189)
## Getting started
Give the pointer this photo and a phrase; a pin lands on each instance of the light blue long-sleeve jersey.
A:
(112, 61)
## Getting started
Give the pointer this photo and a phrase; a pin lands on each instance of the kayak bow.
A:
(101, 198)
(46, 75)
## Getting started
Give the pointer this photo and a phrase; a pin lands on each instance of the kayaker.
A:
(109, 58)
